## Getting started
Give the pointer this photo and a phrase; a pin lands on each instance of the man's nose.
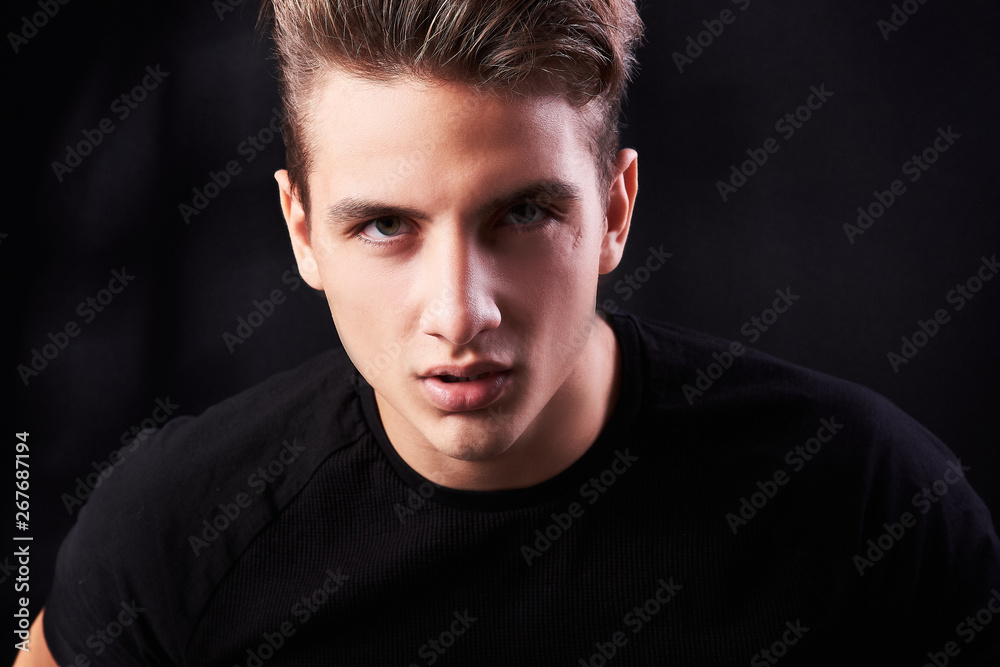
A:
(459, 278)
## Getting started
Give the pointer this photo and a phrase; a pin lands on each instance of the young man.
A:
(493, 471)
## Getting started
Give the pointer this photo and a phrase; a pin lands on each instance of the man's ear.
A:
(621, 201)
(298, 230)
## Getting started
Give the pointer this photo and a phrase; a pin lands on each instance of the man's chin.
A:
(472, 446)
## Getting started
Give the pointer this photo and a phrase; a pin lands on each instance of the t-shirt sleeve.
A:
(115, 598)
(159, 534)
(955, 558)
(905, 535)
(949, 574)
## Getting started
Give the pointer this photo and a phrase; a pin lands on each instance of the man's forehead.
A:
(373, 138)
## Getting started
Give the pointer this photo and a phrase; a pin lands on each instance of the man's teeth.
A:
(456, 378)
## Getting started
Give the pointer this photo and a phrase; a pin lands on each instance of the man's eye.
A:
(384, 227)
(527, 213)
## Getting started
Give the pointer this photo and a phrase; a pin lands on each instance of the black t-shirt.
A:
(736, 509)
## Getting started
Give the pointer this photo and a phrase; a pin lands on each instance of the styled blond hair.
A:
(581, 49)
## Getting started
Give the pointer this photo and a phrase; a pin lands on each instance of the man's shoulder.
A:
(692, 370)
(755, 424)
(857, 496)
(307, 392)
(268, 437)
(311, 403)
(186, 501)
(755, 410)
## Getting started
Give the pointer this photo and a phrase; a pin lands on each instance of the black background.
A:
(162, 336)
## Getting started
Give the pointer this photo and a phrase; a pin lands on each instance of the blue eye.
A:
(387, 226)
(383, 231)
(527, 213)
(386, 230)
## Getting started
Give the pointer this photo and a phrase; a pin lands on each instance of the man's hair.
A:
(581, 49)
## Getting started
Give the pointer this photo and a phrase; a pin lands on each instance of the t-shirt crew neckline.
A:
(597, 457)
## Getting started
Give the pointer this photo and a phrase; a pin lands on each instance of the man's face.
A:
(457, 234)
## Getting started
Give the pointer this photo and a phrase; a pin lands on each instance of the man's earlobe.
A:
(298, 230)
(621, 202)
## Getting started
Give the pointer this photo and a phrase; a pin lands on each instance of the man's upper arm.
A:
(110, 567)
(38, 655)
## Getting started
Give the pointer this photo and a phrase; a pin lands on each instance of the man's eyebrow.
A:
(355, 209)
(545, 193)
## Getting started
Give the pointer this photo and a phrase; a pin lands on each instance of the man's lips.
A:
(465, 371)
(464, 390)
(462, 378)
